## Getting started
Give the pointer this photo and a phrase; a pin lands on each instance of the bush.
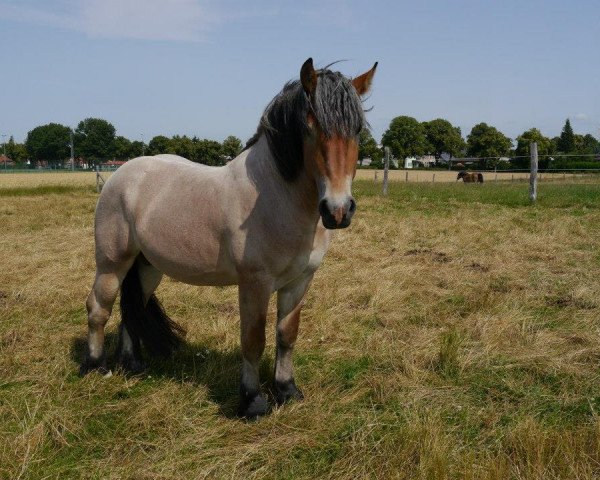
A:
(573, 164)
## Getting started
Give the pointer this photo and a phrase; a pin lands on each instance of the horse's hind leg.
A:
(99, 305)
(129, 352)
(289, 304)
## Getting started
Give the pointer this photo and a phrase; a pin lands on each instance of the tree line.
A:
(407, 137)
(96, 141)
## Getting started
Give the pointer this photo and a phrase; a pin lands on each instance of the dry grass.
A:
(452, 332)
(39, 179)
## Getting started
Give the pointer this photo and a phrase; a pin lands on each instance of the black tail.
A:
(480, 177)
(149, 323)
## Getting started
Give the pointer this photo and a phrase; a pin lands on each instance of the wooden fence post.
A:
(533, 174)
(385, 170)
(406, 178)
(99, 180)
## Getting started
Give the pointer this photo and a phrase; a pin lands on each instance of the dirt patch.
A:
(478, 267)
(439, 257)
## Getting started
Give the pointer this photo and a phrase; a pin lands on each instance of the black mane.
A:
(335, 105)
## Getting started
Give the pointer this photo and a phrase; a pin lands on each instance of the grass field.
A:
(24, 183)
(445, 176)
(452, 332)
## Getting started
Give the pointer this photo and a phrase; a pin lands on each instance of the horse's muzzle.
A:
(337, 216)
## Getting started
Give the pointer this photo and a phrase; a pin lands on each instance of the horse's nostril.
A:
(352, 206)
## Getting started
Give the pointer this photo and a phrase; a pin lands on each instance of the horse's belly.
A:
(194, 270)
(198, 258)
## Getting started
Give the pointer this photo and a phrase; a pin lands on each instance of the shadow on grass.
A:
(197, 363)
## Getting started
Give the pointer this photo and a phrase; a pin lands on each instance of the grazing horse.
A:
(261, 222)
(470, 177)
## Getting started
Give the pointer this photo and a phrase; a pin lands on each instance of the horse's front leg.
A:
(289, 304)
(254, 302)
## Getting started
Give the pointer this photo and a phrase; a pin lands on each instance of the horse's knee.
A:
(97, 313)
(287, 328)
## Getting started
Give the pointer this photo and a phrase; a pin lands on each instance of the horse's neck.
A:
(300, 195)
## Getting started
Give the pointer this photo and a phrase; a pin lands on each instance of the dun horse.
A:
(470, 177)
(261, 222)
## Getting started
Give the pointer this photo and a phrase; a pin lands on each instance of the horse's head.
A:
(461, 175)
(335, 118)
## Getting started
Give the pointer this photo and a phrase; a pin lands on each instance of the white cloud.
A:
(581, 116)
(172, 20)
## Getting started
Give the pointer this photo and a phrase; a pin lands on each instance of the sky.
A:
(209, 68)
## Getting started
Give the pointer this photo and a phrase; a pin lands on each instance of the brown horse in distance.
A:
(470, 177)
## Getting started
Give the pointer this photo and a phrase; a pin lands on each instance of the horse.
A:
(262, 222)
(470, 177)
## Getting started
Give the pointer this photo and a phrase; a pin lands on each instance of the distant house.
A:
(415, 162)
(6, 162)
(111, 164)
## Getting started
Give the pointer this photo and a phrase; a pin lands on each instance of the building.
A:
(6, 162)
(417, 162)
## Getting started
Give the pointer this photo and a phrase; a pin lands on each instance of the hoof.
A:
(90, 365)
(255, 407)
(131, 364)
(287, 391)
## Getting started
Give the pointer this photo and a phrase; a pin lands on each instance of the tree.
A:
(589, 144)
(160, 144)
(486, 141)
(232, 146)
(95, 140)
(137, 149)
(16, 151)
(368, 148)
(405, 137)
(443, 138)
(554, 142)
(48, 142)
(208, 152)
(522, 152)
(567, 139)
(183, 146)
(122, 148)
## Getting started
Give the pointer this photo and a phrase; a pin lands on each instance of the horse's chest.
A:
(305, 260)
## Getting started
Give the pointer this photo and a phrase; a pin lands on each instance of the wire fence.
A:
(445, 176)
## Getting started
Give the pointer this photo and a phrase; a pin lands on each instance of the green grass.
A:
(445, 196)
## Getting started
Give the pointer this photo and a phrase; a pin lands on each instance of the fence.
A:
(444, 176)
(533, 175)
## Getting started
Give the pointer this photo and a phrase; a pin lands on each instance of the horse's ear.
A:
(362, 83)
(308, 77)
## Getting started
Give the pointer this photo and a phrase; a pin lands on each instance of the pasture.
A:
(452, 332)
(446, 176)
